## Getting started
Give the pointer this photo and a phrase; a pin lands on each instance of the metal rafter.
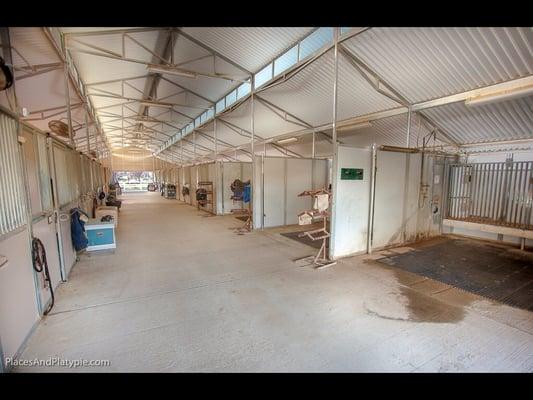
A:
(396, 96)
(283, 77)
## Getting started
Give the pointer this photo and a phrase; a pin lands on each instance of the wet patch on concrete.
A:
(478, 267)
(414, 300)
(416, 307)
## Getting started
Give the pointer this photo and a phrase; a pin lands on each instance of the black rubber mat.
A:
(305, 240)
(484, 269)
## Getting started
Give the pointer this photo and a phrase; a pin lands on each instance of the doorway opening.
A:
(133, 181)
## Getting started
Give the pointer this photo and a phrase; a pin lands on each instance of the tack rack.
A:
(242, 211)
(207, 204)
(320, 260)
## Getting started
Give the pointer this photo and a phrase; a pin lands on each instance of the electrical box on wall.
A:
(352, 174)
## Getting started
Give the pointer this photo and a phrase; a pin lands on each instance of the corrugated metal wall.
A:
(12, 196)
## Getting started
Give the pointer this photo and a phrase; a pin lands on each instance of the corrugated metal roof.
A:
(208, 87)
(426, 63)
(33, 45)
(250, 48)
(309, 94)
(491, 122)
(97, 69)
(421, 63)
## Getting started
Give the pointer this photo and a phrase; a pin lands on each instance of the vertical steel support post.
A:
(67, 98)
(407, 169)
(252, 153)
(373, 171)
(334, 144)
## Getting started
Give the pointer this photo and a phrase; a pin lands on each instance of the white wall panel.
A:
(274, 191)
(280, 180)
(352, 197)
(18, 309)
(299, 178)
(396, 199)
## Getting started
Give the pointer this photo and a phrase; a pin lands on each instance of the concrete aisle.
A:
(182, 292)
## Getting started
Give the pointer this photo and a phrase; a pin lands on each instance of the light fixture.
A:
(499, 96)
(164, 69)
(148, 103)
(288, 140)
(146, 119)
(358, 125)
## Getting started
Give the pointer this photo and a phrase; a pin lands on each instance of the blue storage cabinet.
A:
(101, 235)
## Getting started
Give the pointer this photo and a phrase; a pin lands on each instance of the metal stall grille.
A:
(498, 193)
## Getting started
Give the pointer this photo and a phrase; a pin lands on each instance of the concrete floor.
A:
(182, 292)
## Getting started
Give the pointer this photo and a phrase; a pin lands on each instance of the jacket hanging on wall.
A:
(77, 228)
(246, 193)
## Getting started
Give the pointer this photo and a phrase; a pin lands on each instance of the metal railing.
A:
(498, 193)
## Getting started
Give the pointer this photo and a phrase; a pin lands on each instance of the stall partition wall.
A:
(37, 169)
(396, 207)
(19, 310)
(28, 195)
(208, 173)
(279, 181)
(351, 198)
(407, 200)
(201, 173)
(185, 174)
(228, 172)
(67, 194)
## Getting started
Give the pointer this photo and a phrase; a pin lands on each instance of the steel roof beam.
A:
(359, 66)
(111, 32)
(141, 100)
(188, 90)
(287, 74)
(301, 122)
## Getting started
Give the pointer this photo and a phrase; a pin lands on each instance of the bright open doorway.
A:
(133, 181)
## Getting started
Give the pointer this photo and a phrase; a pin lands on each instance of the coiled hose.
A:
(38, 253)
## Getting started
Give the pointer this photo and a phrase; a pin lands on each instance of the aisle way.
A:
(182, 292)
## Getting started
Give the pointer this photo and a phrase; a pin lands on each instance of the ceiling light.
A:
(164, 69)
(358, 125)
(146, 119)
(499, 96)
(288, 140)
(155, 104)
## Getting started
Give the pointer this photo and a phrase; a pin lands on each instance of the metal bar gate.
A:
(497, 193)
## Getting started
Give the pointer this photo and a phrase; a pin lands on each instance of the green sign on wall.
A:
(352, 174)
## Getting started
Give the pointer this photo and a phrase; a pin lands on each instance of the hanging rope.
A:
(40, 264)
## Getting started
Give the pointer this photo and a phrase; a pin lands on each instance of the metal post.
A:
(215, 137)
(55, 199)
(408, 139)
(313, 148)
(67, 98)
(87, 131)
(373, 172)
(252, 150)
(29, 216)
(334, 144)
(407, 169)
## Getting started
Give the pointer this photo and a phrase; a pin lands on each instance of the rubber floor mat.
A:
(481, 268)
(305, 240)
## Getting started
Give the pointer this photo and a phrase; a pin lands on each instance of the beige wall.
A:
(18, 307)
